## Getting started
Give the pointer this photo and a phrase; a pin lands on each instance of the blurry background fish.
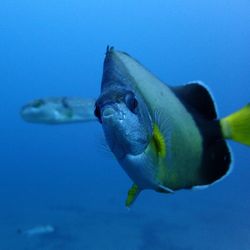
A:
(37, 230)
(56, 48)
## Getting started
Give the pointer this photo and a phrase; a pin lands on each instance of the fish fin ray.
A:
(163, 131)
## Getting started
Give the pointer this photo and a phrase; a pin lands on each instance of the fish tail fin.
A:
(237, 126)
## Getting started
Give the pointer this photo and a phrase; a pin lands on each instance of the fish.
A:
(58, 110)
(165, 138)
(37, 230)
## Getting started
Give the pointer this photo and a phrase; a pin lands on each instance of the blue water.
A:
(60, 175)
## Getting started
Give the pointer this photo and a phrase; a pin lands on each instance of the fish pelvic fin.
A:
(133, 193)
(237, 126)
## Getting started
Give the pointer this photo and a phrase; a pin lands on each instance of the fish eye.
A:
(131, 102)
(97, 113)
(37, 103)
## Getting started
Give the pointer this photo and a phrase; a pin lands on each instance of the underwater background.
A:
(60, 175)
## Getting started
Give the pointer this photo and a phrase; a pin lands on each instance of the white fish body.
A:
(38, 230)
(59, 110)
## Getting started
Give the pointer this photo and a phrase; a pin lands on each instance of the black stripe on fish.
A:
(197, 99)
(216, 156)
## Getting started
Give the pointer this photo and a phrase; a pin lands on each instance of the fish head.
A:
(125, 120)
(34, 111)
(45, 111)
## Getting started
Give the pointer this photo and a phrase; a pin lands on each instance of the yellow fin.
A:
(132, 195)
(159, 141)
(237, 126)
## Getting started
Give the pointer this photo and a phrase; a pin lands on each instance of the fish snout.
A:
(27, 113)
(112, 115)
(108, 112)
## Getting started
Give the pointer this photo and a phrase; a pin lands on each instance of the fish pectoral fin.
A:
(237, 126)
(133, 193)
(163, 189)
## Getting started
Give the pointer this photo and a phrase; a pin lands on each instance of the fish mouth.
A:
(108, 112)
(27, 114)
(34, 115)
(112, 116)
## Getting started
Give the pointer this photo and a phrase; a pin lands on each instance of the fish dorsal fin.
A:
(196, 98)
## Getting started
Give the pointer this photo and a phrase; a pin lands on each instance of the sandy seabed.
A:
(179, 227)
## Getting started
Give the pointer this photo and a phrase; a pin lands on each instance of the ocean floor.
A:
(180, 225)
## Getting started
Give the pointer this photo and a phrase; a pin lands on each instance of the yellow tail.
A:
(237, 126)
